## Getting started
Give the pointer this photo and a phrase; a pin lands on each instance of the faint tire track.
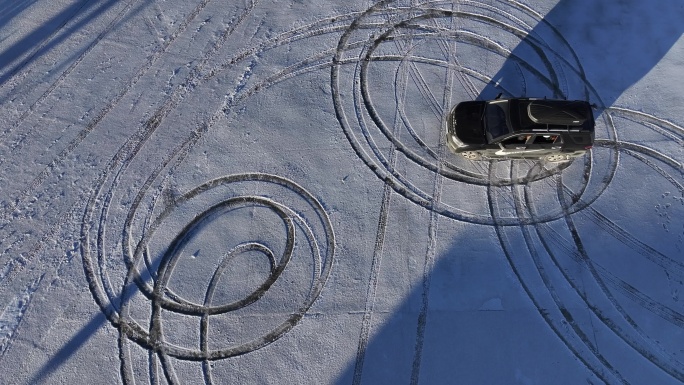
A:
(47, 171)
(597, 368)
(113, 24)
(582, 258)
(13, 314)
(8, 75)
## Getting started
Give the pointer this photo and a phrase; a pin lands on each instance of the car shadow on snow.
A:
(468, 321)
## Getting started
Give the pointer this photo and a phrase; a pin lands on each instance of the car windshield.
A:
(495, 120)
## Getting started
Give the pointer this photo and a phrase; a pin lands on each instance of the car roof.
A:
(548, 112)
(527, 114)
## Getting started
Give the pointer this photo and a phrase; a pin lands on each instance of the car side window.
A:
(516, 141)
(545, 139)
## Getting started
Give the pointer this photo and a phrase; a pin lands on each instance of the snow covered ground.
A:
(258, 192)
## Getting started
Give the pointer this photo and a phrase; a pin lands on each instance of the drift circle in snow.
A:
(392, 90)
(239, 259)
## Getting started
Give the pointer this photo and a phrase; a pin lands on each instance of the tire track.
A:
(211, 290)
(317, 28)
(194, 136)
(314, 63)
(670, 315)
(74, 144)
(369, 106)
(49, 169)
(153, 340)
(130, 149)
(376, 263)
(596, 181)
(11, 73)
(113, 24)
(676, 373)
(668, 264)
(124, 154)
(671, 130)
(13, 314)
(423, 88)
(521, 207)
(662, 360)
(13, 268)
(439, 111)
(640, 149)
(431, 253)
(187, 145)
(400, 183)
(596, 368)
(176, 153)
(371, 290)
(411, 155)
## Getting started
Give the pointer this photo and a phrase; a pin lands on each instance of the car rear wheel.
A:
(557, 158)
(471, 155)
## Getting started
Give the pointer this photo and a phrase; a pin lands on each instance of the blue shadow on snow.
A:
(463, 336)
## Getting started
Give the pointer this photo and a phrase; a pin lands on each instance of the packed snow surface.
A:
(259, 192)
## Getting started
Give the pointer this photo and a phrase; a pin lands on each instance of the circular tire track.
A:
(370, 136)
(594, 182)
(115, 298)
(362, 55)
(618, 317)
(307, 242)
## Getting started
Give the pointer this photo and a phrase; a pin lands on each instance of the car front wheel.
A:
(471, 155)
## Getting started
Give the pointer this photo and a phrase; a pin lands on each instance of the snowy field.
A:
(259, 192)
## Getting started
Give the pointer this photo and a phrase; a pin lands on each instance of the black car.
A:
(521, 128)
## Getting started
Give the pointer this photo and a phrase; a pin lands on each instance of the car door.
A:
(541, 145)
(514, 146)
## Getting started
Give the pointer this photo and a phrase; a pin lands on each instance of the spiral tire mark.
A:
(124, 156)
(318, 235)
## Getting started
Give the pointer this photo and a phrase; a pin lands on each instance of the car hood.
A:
(467, 123)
